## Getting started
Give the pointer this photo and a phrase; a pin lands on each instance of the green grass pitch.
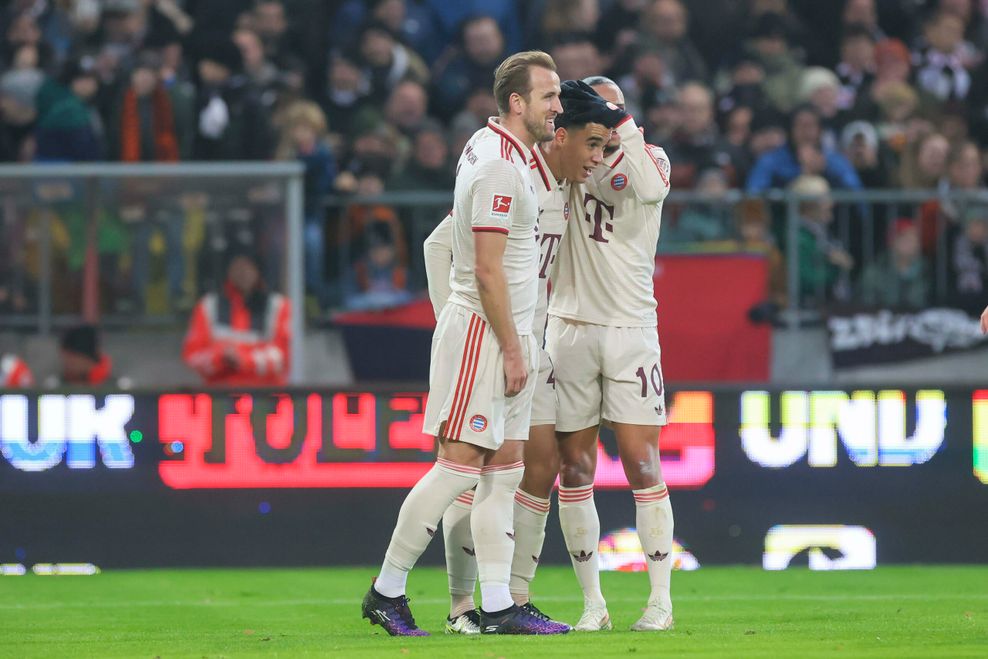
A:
(720, 612)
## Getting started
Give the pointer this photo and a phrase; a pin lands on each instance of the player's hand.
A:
(984, 321)
(587, 105)
(515, 373)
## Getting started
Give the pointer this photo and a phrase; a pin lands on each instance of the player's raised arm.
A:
(438, 250)
(647, 165)
(495, 199)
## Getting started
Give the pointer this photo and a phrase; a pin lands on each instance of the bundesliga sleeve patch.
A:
(501, 206)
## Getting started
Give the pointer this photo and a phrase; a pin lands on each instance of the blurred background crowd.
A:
(376, 96)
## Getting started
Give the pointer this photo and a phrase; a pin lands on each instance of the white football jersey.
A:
(555, 208)
(607, 258)
(495, 191)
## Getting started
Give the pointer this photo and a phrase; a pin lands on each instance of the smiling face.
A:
(581, 149)
(541, 105)
(612, 94)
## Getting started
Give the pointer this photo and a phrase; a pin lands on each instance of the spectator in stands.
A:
(708, 220)
(413, 22)
(347, 91)
(386, 61)
(664, 25)
(303, 138)
(82, 81)
(468, 66)
(14, 372)
(898, 121)
(820, 88)
(83, 363)
(744, 87)
(18, 110)
(406, 107)
(576, 58)
(697, 144)
(62, 130)
(754, 235)
(261, 72)
(899, 278)
(563, 18)
(768, 43)
(968, 281)
(873, 164)
(804, 153)
(824, 264)
(939, 218)
(380, 278)
(925, 163)
(865, 14)
(241, 336)
(428, 168)
(143, 128)
(646, 88)
(23, 32)
(479, 107)
(856, 68)
(232, 120)
(941, 57)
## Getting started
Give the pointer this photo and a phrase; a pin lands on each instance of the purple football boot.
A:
(392, 613)
(519, 620)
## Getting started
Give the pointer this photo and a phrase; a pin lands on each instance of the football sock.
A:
(530, 515)
(461, 565)
(581, 530)
(418, 519)
(492, 525)
(654, 520)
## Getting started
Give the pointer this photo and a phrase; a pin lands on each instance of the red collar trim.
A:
(506, 134)
(537, 164)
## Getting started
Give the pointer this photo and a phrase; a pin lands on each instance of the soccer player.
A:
(575, 150)
(604, 345)
(484, 357)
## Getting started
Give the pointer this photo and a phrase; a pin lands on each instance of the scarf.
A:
(162, 121)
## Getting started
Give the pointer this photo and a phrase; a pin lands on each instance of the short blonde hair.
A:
(513, 76)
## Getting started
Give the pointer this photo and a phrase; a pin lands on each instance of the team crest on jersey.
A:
(619, 182)
(478, 423)
(566, 211)
(500, 206)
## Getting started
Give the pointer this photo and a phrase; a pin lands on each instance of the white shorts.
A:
(466, 383)
(544, 403)
(605, 373)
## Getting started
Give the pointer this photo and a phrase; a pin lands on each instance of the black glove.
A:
(582, 105)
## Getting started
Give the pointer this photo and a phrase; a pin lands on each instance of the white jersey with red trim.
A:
(495, 192)
(607, 259)
(555, 208)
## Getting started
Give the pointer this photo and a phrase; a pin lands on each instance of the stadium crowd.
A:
(381, 95)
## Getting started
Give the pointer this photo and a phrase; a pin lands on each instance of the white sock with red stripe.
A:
(418, 519)
(492, 524)
(581, 530)
(461, 565)
(654, 520)
(530, 515)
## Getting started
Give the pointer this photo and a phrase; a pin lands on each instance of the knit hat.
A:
(855, 129)
(82, 340)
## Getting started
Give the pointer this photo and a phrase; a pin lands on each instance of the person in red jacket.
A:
(83, 363)
(14, 373)
(240, 336)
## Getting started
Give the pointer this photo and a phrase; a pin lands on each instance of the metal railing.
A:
(82, 241)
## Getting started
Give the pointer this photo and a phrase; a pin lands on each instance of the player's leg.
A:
(580, 523)
(532, 500)
(457, 469)
(492, 519)
(576, 362)
(634, 402)
(461, 567)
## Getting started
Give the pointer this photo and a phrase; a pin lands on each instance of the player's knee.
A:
(642, 473)
(576, 469)
(540, 477)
